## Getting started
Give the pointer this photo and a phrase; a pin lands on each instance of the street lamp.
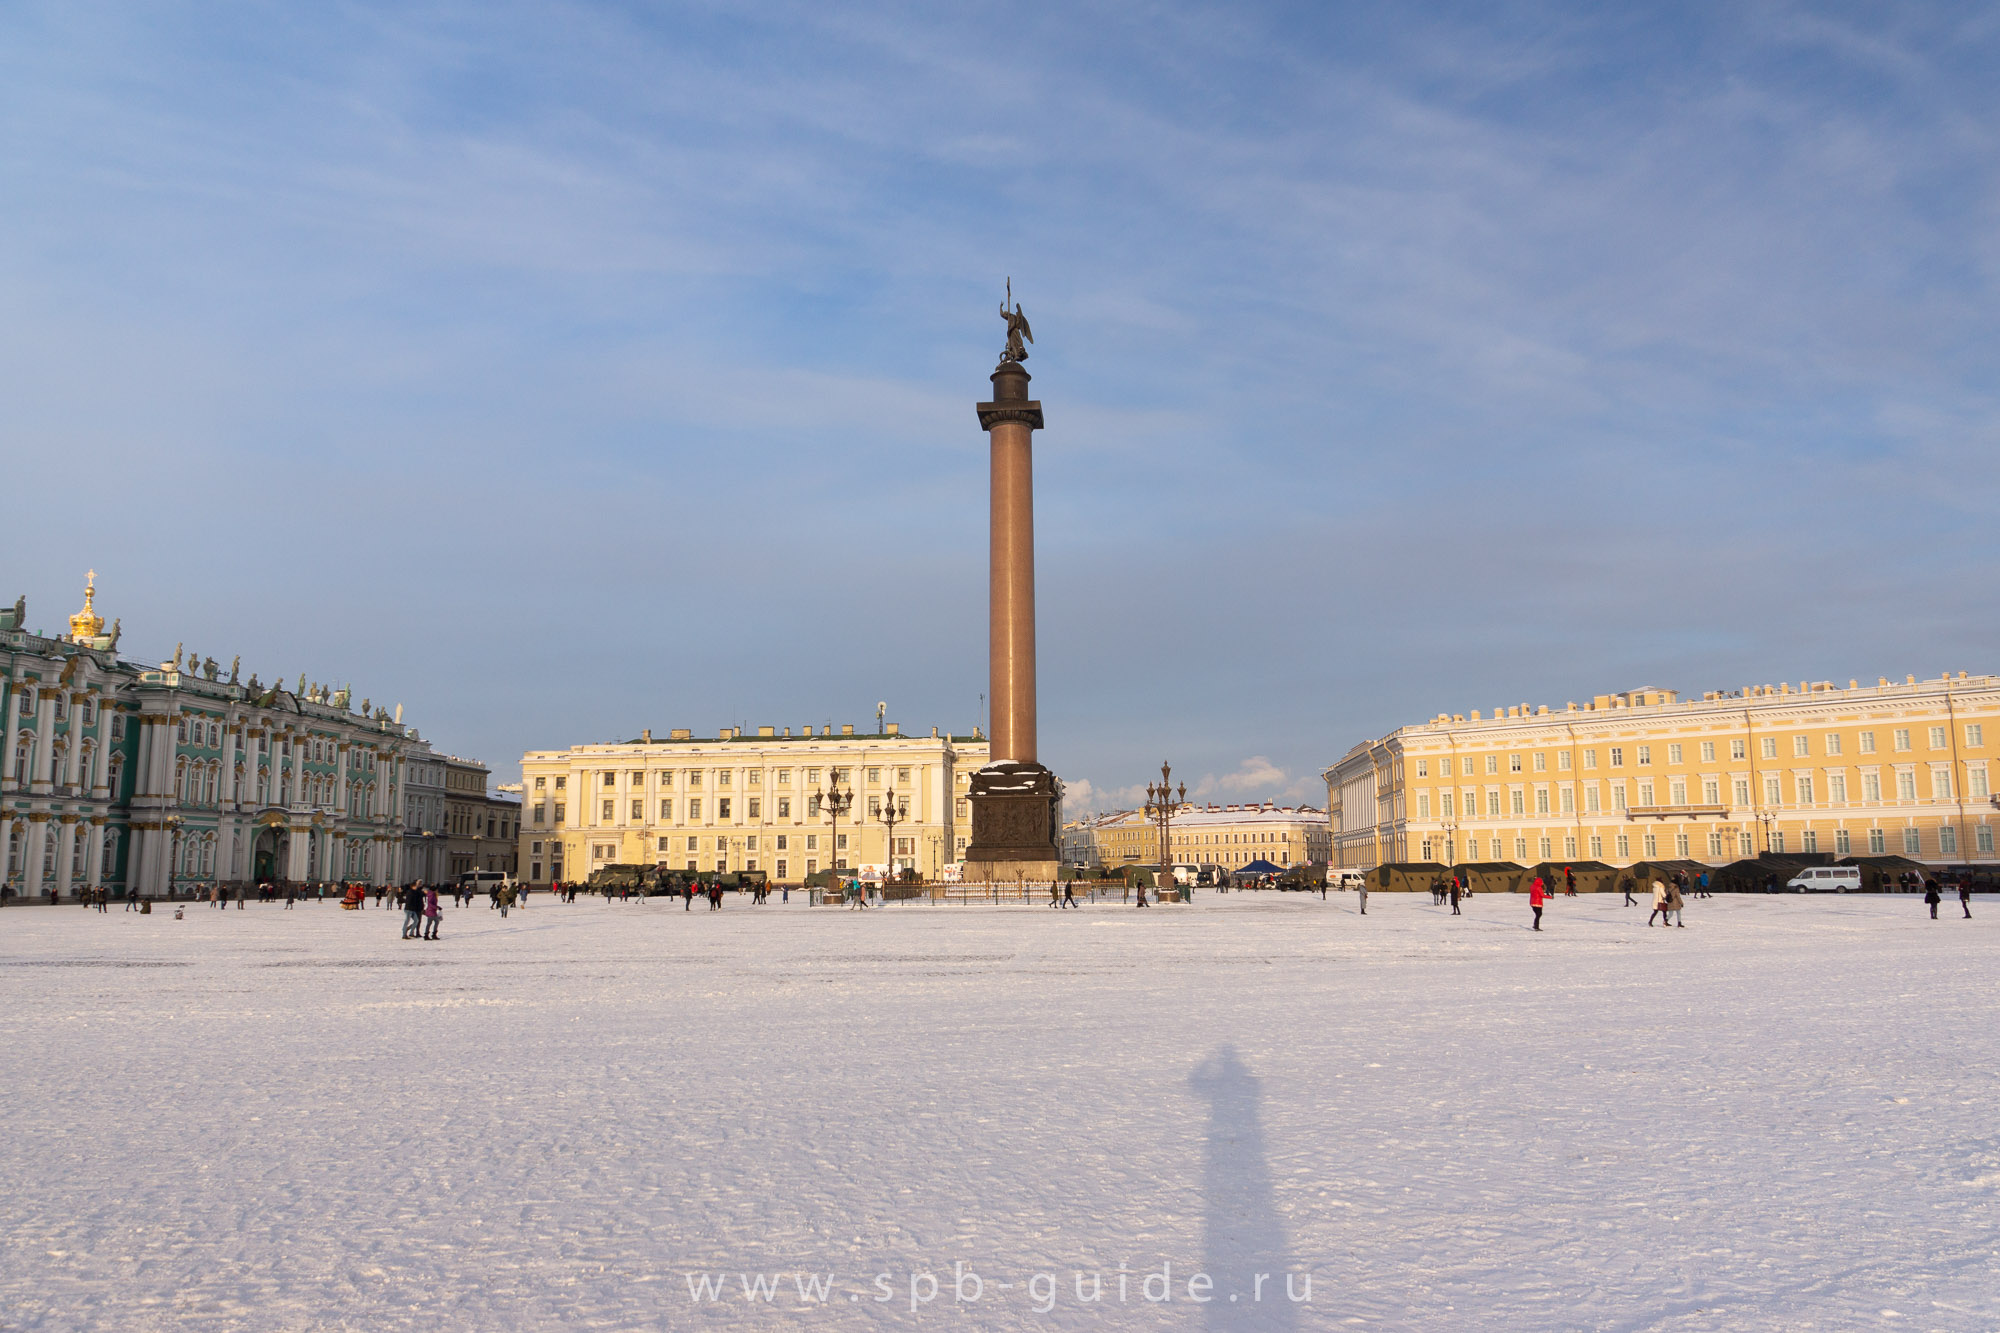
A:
(1161, 803)
(890, 819)
(1767, 818)
(836, 803)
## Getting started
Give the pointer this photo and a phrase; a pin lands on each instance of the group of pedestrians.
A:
(1934, 895)
(420, 912)
(1447, 889)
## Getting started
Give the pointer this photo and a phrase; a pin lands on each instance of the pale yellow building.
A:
(742, 801)
(1886, 769)
(1226, 835)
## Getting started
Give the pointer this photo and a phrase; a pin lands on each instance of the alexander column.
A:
(1014, 799)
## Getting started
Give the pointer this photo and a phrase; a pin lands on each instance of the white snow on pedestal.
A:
(1782, 1116)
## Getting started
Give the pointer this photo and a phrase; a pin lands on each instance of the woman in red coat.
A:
(1538, 894)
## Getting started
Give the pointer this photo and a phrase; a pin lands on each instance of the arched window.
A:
(184, 731)
(180, 779)
(117, 773)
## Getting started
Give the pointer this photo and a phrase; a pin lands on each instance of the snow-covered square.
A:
(632, 1116)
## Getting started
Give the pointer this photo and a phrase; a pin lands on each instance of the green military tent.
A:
(1591, 876)
(1405, 876)
(1489, 876)
(1883, 874)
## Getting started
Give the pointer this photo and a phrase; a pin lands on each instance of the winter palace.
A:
(179, 775)
(1893, 768)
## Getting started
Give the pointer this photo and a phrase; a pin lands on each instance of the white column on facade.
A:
(45, 740)
(65, 831)
(93, 853)
(73, 774)
(100, 766)
(18, 690)
(295, 855)
(340, 784)
(31, 853)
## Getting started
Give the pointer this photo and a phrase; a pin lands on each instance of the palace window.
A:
(1902, 738)
(541, 784)
(723, 778)
(1769, 748)
(1913, 842)
(610, 778)
(1513, 763)
(1590, 759)
(784, 807)
(1805, 791)
(1492, 763)
(784, 842)
(607, 811)
(1541, 800)
(1541, 762)
(1833, 742)
(812, 842)
(559, 810)
(1906, 785)
(1871, 787)
(1772, 796)
(1801, 747)
(1836, 787)
(1940, 784)
(903, 775)
(1678, 792)
(1645, 793)
(756, 807)
(694, 778)
(1711, 791)
(1590, 801)
(1938, 741)
(1975, 781)
(667, 808)
(1618, 756)
(1423, 768)
(1596, 847)
(1975, 735)
(961, 807)
(1878, 842)
(1645, 754)
(1562, 761)
(666, 778)
(874, 775)
(560, 782)
(784, 777)
(1867, 739)
(694, 807)
(1982, 838)
(722, 808)
(1652, 846)
(1493, 807)
(755, 777)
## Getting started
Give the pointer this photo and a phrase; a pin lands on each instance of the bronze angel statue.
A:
(1017, 328)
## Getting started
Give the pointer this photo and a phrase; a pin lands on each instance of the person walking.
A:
(1537, 895)
(413, 913)
(505, 893)
(291, 896)
(1625, 883)
(1361, 890)
(1454, 897)
(1932, 896)
(1701, 886)
(1674, 904)
(1965, 896)
(1069, 894)
(1659, 903)
(1569, 882)
(431, 913)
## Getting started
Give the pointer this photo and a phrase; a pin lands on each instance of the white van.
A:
(1346, 879)
(1185, 875)
(1825, 879)
(484, 881)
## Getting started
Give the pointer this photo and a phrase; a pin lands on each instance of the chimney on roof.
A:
(847, 729)
(646, 736)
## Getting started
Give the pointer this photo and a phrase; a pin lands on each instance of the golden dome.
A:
(87, 624)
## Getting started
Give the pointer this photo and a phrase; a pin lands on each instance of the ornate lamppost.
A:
(836, 803)
(1161, 803)
(890, 818)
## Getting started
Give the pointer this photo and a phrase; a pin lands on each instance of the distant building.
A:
(425, 819)
(739, 801)
(1883, 769)
(1226, 835)
(176, 776)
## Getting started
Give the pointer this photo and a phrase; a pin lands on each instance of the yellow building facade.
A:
(741, 801)
(1226, 835)
(1898, 769)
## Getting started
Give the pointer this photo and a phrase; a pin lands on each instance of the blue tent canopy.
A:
(1260, 867)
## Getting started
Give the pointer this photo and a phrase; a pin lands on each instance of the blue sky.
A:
(563, 370)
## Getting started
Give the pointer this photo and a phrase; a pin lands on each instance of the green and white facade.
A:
(172, 777)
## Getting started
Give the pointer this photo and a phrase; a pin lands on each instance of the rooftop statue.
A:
(115, 632)
(1017, 328)
(20, 610)
(234, 663)
(210, 669)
